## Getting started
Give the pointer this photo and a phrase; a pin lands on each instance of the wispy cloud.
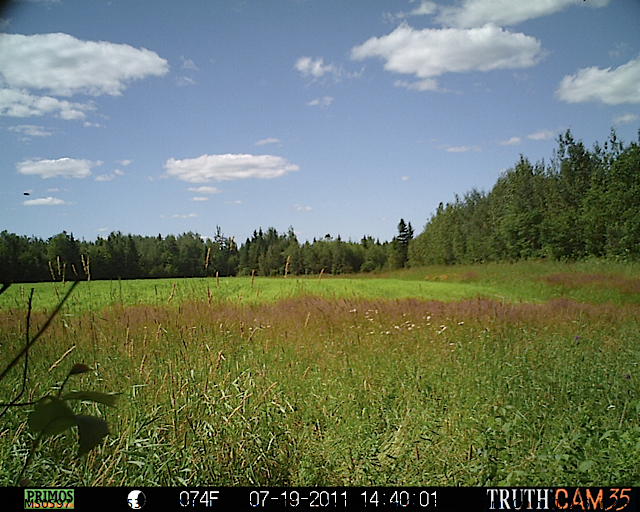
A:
(611, 87)
(205, 190)
(270, 140)
(228, 167)
(462, 149)
(541, 135)
(188, 64)
(30, 130)
(44, 201)
(325, 101)
(178, 216)
(317, 68)
(62, 167)
(513, 141)
(477, 13)
(300, 208)
(199, 198)
(426, 7)
(625, 118)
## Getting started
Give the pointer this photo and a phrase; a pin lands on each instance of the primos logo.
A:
(48, 498)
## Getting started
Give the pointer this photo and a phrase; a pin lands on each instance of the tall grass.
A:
(343, 390)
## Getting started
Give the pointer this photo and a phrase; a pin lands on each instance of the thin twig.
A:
(26, 361)
(44, 327)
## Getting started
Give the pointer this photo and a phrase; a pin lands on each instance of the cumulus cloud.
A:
(61, 65)
(541, 135)
(477, 13)
(21, 103)
(62, 167)
(430, 53)
(611, 87)
(44, 201)
(228, 167)
(325, 101)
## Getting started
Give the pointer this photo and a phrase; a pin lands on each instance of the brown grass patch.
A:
(574, 280)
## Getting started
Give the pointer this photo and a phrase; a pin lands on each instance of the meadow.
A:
(487, 375)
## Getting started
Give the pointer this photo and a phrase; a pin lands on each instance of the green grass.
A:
(505, 380)
(519, 282)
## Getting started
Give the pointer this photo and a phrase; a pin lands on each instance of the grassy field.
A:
(523, 374)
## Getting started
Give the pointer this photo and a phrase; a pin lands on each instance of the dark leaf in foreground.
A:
(90, 432)
(51, 416)
(79, 368)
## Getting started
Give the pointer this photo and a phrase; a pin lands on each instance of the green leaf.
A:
(94, 396)
(585, 465)
(90, 432)
(51, 416)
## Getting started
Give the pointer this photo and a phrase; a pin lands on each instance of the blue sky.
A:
(334, 117)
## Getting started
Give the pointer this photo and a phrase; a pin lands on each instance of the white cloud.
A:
(462, 149)
(325, 101)
(300, 208)
(513, 141)
(63, 65)
(622, 85)
(188, 216)
(185, 80)
(430, 53)
(105, 177)
(228, 167)
(65, 167)
(20, 103)
(31, 130)
(476, 13)
(316, 68)
(425, 7)
(541, 135)
(270, 140)
(205, 190)
(423, 85)
(188, 64)
(124, 163)
(199, 198)
(625, 118)
(44, 201)
(405, 178)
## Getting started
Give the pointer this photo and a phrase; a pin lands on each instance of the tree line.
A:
(585, 202)
(266, 253)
